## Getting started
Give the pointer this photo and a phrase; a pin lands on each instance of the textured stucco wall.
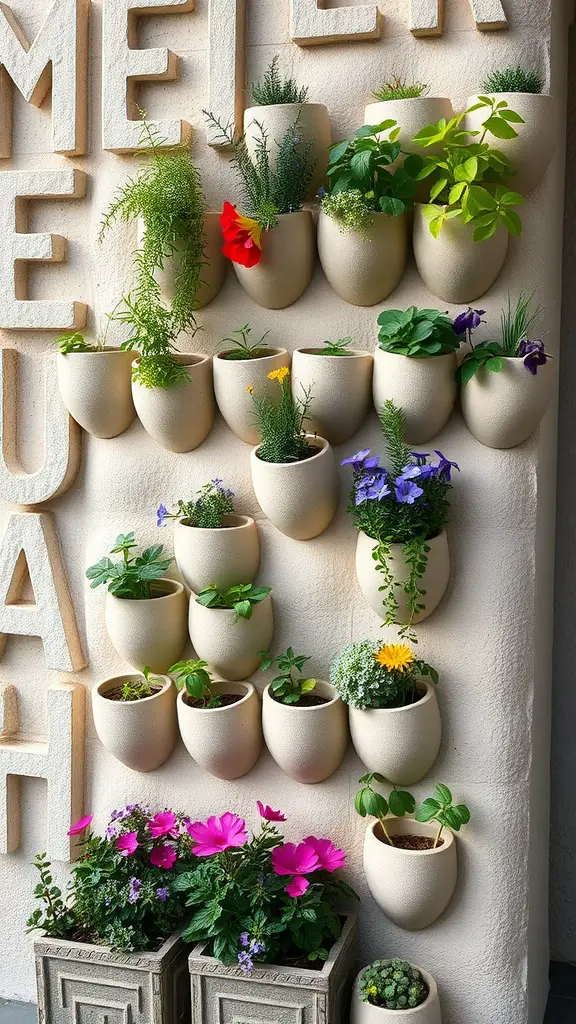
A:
(489, 951)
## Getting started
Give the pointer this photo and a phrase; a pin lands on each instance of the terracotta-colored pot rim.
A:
(271, 354)
(447, 836)
(225, 611)
(355, 353)
(324, 446)
(174, 588)
(424, 699)
(244, 522)
(113, 681)
(250, 691)
(266, 695)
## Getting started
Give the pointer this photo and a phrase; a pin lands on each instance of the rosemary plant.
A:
(272, 88)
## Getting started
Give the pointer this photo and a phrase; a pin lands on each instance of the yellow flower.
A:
(394, 657)
(250, 388)
(279, 374)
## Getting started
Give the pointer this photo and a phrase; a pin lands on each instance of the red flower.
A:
(242, 237)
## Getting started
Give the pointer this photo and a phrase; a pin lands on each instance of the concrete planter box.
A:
(78, 982)
(273, 994)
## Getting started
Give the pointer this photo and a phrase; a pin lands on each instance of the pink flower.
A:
(330, 858)
(163, 824)
(163, 856)
(127, 843)
(266, 812)
(294, 860)
(218, 834)
(79, 827)
(297, 886)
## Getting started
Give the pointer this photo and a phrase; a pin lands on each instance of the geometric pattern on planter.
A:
(59, 759)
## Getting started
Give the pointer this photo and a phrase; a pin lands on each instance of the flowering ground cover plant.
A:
(281, 419)
(132, 576)
(417, 333)
(369, 675)
(287, 687)
(440, 808)
(120, 893)
(243, 347)
(212, 503)
(393, 984)
(259, 899)
(240, 598)
(515, 325)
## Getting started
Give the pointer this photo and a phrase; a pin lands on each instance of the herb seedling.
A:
(440, 808)
(192, 676)
(132, 576)
(286, 687)
(239, 598)
(368, 802)
(335, 348)
(243, 347)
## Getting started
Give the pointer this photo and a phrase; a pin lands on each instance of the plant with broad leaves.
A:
(418, 333)
(240, 598)
(192, 676)
(133, 575)
(368, 802)
(515, 324)
(54, 915)
(243, 346)
(441, 808)
(335, 348)
(286, 687)
(73, 343)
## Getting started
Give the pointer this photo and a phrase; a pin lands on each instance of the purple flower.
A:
(135, 886)
(161, 514)
(420, 457)
(257, 947)
(406, 491)
(162, 893)
(245, 961)
(468, 320)
(357, 460)
(411, 472)
(321, 192)
(217, 481)
(534, 355)
(244, 939)
(112, 830)
(444, 467)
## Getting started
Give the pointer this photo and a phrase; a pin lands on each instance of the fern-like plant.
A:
(272, 88)
(281, 419)
(513, 79)
(398, 89)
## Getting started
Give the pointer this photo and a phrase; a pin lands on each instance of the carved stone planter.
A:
(80, 982)
(274, 994)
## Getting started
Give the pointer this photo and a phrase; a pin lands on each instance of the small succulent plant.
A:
(516, 79)
(393, 985)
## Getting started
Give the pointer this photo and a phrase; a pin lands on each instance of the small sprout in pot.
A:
(243, 347)
(286, 687)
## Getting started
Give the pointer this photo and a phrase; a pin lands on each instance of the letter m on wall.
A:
(56, 58)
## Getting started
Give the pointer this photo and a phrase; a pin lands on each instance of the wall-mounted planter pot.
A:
(503, 409)
(400, 743)
(287, 263)
(363, 267)
(179, 418)
(276, 119)
(299, 498)
(96, 389)
(411, 115)
(227, 555)
(140, 733)
(231, 379)
(412, 887)
(143, 988)
(214, 269)
(225, 741)
(340, 391)
(434, 580)
(425, 390)
(533, 149)
(307, 743)
(427, 1013)
(231, 648)
(149, 632)
(453, 266)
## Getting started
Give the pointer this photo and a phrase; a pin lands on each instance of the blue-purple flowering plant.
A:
(404, 503)
(515, 324)
(207, 510)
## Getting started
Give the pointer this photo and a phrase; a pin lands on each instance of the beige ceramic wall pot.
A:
(231, 379)
(340, 388)
(231, 648)
(427, 1013)
(533, 149)
(434, 580)
(412, 887)
(179, 418)
(307, 743)
(503, 409)
(140, 733)
(149, 632)
(276, 118)
(411, 115)
(227, 555)
(225, 741)
(287, 263)
(425, 390)
(453, 266)
(401, 744)
(213, 271)
(299, 498)
(363, 267)
(96, 389)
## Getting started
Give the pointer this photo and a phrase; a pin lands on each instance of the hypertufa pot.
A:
(503, 409)
(181, 417)
(140, 733)
(231, 648)
(225, 741)
(227, 555)
(427, 1013)
(363, 267)
(402, 743)
(96, 389)
(149, 631)
(424, 388)
(213, 271)
(307, 743)
(287, 263)
(453, 266)
(233, 377)
(276, 118)
(299, 498)
(340, 387)
(434, 581)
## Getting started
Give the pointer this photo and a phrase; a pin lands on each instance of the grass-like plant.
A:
(280, 419)
(272, 88)
(399, 89)
(516, 323)
(338, 347)
(514, 79)
(243, 347)
(138, 689)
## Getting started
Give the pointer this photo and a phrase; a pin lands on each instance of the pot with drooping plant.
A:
(228, 626)
(415, 367)
(392, 708)
(304, 720)
(272, 247)
(389, 990)
(409, 104)
(340, 378)
(277, 103)
(135, 718)
(212, 542)
(506, 385)
(400, 512)
(145, 612)
(293, 472)
(94, 384)
(243, 365)
(219, 719)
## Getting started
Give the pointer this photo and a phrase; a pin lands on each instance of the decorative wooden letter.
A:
(427, 16)
(310, 23)
(57, 58)
(30, 543)
(17, 248)
(59, 760)
(123, 66)
(226, 63)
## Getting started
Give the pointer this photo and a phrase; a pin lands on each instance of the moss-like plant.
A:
(398, 89)
(272, 88)
(514, 79)
(393, 985)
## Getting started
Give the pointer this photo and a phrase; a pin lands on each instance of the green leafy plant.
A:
(74, 343)
(133, 575)
(398, 89)
(286, 687)
(242, 345)
(418, 333)
(137, 689)
(368, 802)
(207, 511)
(514, 79)
(516, 324)
(441, 808)
(392, 984)
(192, 676)
(240, 598)
(335, 348)
(349, 209)
(369, 675)
(281, 419)
(55, 914)
(272, 88)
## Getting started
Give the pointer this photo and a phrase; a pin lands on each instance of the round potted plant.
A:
(389, 986)
(212, 542)
(410, 863)
(341, 378)
(240, 371)
(135, 719)
(179, 416)
(220, 721)
(506, 385)
(228, 626)
(294, 473)
(304, 720)
(402, 560)
(145, 612)
(409, 104)
(94, 384)
(415, 367)
(393, 712)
